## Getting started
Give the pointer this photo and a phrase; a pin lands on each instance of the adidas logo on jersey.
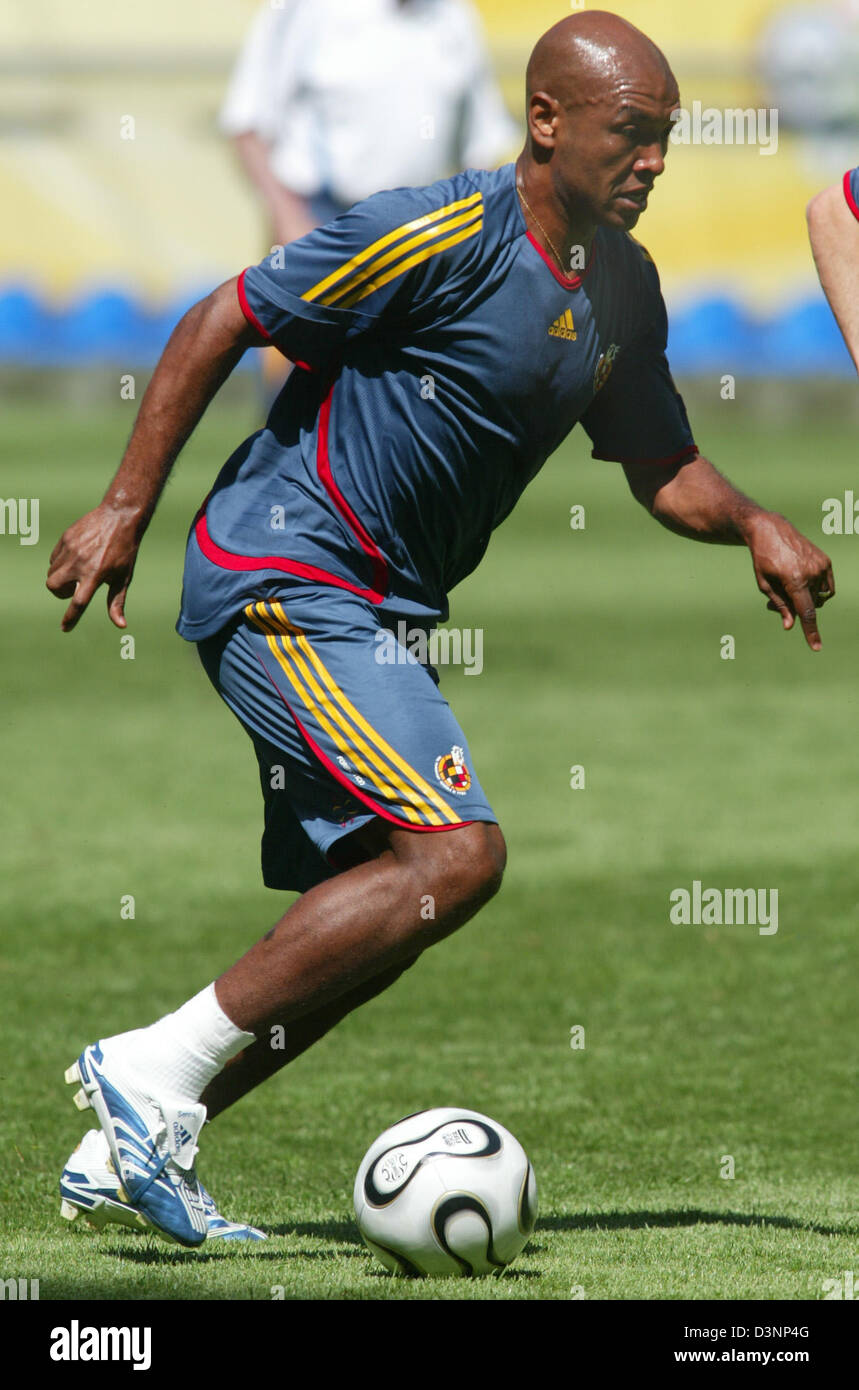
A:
(563, 327)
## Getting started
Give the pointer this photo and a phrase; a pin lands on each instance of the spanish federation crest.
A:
(604, 366)
(452, 773)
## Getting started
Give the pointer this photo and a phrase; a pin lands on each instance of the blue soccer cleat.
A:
(89, 1187)
(222, 1229)
(152, 1143)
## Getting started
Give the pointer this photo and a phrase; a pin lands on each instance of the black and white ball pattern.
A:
(446, 1192)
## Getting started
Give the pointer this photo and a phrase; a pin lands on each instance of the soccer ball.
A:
(445, 1192)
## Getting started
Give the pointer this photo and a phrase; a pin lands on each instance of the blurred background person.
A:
(807, 56)
(331, 101)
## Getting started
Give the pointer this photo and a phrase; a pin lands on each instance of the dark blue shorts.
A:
(343, 731)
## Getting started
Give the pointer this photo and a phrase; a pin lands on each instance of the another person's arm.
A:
(696, 501)
(261, 91)
(290, 214)
(833, 228)
(101, 548)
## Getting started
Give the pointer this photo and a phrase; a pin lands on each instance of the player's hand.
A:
(794, 575)
(100, 548)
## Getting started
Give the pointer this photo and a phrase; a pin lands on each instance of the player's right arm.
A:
(390, 256)
(101, 548)
(833, 228)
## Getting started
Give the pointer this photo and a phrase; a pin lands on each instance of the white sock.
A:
(181, 1053)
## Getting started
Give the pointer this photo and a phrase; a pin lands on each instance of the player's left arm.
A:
(833, 228)
(694, 500)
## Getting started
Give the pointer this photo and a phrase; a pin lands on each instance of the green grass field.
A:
(601, 648)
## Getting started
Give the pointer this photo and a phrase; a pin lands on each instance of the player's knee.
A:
(475, 863)
(492, 858)
(455, 871)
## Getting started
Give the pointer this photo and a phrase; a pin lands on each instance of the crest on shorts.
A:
(451, 771)
(604, 366)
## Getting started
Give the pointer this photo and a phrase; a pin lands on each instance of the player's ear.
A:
(542, 119)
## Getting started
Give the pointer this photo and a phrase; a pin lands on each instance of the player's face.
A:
(612, 150)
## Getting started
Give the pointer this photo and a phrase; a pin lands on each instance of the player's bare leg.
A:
(337, 946)
(337, 938)
(262, 1059)
(367, 920)
(340, 944)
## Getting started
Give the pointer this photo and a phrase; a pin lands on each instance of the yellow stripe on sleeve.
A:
(369, 252)
(371, 271)
(407, 265)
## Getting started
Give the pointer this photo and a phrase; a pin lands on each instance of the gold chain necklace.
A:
(526, 204)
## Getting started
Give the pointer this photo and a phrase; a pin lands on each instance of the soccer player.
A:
(833, 227)
(446, 340)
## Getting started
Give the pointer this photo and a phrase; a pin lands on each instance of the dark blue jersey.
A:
(442, 357)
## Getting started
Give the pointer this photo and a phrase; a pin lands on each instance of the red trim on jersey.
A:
(323, 464)
(851, 201)
(684, 455)
(569, 282)
(255, 323)
(246, 308)
(228, 560)
(340, 777)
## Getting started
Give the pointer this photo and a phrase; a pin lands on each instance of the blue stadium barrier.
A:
(26, 326)
(103, 327)
(106, 327)
(804, 339)
(718, 335)
(712, 335)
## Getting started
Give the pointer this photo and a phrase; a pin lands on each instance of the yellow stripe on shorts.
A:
(336, 714)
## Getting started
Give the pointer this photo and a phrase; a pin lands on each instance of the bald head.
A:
(601, 106)
(590, 54)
